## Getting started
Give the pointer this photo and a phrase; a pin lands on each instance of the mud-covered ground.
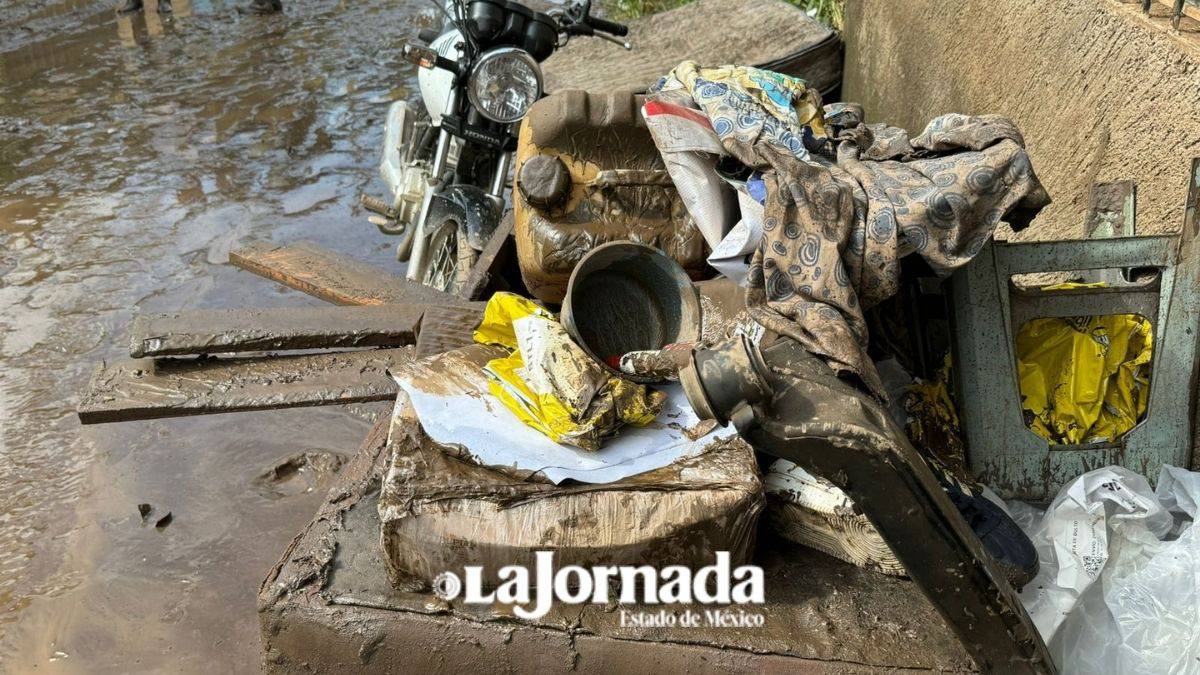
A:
(134, 152)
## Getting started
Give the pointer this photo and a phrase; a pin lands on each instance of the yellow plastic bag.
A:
(496, 328)
(561, 392)
(1084, 379)
(933, 421)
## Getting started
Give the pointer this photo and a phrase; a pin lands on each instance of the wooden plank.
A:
(140, 389)
(248, 330)
(487, 264)
(446, 328)
(334, 277)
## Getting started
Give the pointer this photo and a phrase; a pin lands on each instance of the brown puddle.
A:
(134, 152)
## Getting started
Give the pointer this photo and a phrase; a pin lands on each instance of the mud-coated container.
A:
(625, 297)
(587, 173)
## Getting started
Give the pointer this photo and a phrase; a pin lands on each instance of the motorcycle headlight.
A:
(504, 83)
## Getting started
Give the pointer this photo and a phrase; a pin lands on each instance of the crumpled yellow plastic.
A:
(496, 328)
(933, 425)
(614, 403)
(1084, 379)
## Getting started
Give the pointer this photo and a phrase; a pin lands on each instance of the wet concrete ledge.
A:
(327, 606)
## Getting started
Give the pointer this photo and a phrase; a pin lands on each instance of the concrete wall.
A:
(1100, 92)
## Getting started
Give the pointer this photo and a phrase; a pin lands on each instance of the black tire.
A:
(449, 257)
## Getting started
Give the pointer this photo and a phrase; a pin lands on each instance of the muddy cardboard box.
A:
(329, 606)
(440, 509)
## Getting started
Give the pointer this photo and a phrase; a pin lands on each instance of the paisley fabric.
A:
(750, 103)
(845, 200)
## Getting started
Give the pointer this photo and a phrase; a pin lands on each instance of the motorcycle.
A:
(447, 164)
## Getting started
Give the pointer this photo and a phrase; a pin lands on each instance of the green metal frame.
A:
(987, 310)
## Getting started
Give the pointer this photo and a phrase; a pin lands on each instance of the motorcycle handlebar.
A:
(618, 29)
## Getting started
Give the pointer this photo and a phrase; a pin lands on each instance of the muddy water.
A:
(134, 152)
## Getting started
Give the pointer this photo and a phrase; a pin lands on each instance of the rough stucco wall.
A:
(1100, 92)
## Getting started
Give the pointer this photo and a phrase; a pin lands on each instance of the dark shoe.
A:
(266, 6)
(130, 6)
(1000, 534)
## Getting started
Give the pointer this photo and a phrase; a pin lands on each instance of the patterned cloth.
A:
(845, 200)
(748, 103)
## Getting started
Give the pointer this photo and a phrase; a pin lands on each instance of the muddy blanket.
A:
(844, 200)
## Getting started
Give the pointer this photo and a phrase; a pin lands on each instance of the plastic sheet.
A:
(1119, 586)
(450, 394)
(690, 150)
(732, 256)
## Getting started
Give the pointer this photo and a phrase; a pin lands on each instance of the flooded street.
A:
(134, 152)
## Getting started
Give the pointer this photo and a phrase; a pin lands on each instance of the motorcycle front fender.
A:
(476, 207)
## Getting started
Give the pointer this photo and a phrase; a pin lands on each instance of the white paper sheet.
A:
(732, 256)
(454, 407)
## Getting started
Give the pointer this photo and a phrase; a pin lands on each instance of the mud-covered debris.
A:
(299, 473)
(163, 522)
(167, 387)
(700, 429)
(657, 364)
(334, 277)
(144, 511)
(219, 331)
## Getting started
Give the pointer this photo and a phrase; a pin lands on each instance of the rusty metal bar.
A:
(248, 330)
(152, 388)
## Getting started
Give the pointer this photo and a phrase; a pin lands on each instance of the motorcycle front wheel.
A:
(449, 256)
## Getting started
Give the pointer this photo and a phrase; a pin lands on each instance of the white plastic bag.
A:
(1119, 585)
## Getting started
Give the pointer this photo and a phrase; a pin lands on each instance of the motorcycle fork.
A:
(500, 177)
(416, 264)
